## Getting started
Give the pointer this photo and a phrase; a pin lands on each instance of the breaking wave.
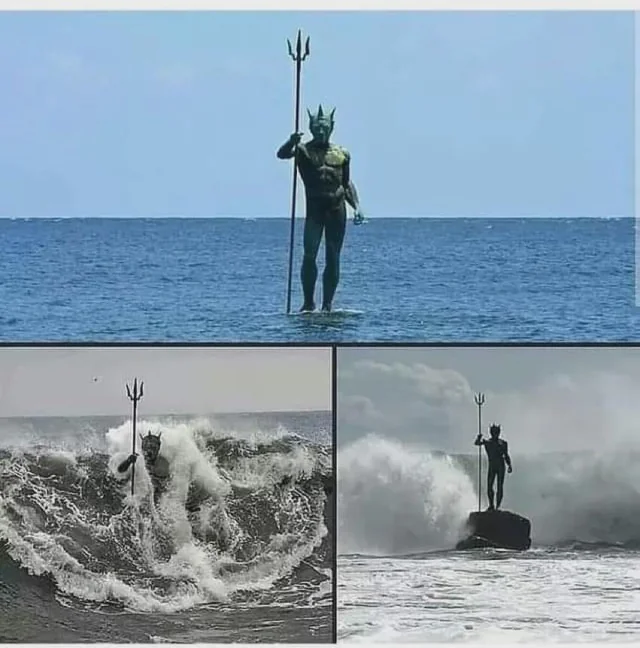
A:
(396, 498)
(245, 517)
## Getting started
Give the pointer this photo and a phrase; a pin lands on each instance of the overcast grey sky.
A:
(91, 381)
(546, 398)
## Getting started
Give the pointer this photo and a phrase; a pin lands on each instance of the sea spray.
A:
(65, 515)
(399, 499)
(396, 497)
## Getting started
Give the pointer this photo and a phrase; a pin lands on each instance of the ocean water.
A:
(490, 596)
(402, 510)
(83, 560)
(214, 280)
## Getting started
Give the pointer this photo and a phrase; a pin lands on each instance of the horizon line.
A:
(301, 218)
(166, 414)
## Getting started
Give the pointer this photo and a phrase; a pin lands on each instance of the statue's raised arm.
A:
(288, 149)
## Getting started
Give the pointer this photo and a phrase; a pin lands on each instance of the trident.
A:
(298, 57)
(479, 399)
(134, 397)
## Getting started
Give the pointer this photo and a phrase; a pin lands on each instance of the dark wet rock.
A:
(496, 529)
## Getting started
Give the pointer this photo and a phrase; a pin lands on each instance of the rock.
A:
(496, 529)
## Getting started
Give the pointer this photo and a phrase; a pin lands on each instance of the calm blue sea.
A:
(208, 280)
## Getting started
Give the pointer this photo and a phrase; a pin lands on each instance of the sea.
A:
(402, 510)
(419, 279)
(84, 560)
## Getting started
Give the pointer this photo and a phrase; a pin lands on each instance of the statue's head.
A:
(494, 430)
(151, 446)
(321, 124)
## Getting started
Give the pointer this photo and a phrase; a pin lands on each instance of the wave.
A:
(397, 498)
(245, 516)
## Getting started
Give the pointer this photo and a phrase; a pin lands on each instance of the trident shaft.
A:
(479, 399)
(134, 394)
(298, 57)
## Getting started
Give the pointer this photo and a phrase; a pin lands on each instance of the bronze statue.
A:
(498, 454)
(324, 168)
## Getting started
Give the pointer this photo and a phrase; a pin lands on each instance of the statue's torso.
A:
(495, 451)
(160, 473)
(322, 170)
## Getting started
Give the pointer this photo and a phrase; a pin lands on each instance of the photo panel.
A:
(166, 494)
(471, 178)
(488, 494)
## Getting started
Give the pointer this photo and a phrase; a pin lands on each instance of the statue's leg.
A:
(157, 492)
(500, 492)
(313, 228)
(336, 225)
(491, 476)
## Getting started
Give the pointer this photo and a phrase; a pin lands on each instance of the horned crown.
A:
(321, 115)
(150, 435)
(494, 427)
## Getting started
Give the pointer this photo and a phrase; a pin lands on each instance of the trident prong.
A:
(479, 398)
(298, 56)
(138, 391)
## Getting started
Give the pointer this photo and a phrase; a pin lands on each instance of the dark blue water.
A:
(225, 280)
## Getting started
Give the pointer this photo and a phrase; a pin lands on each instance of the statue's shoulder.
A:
(343, 150)
(302, 149)
(339, 153)
(162, 468)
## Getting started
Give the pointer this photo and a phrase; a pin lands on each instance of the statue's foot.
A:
(308, 307)
(491, 507)
(326, 308)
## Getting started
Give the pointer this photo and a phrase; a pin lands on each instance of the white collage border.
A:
(351, 5)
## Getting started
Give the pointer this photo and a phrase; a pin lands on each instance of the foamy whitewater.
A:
(83, 560)
(402, 507)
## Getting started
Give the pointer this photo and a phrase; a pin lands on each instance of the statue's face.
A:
(321, 125)
(151, 447)
(495, 433)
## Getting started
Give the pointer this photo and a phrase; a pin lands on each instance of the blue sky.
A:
(445, 114)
